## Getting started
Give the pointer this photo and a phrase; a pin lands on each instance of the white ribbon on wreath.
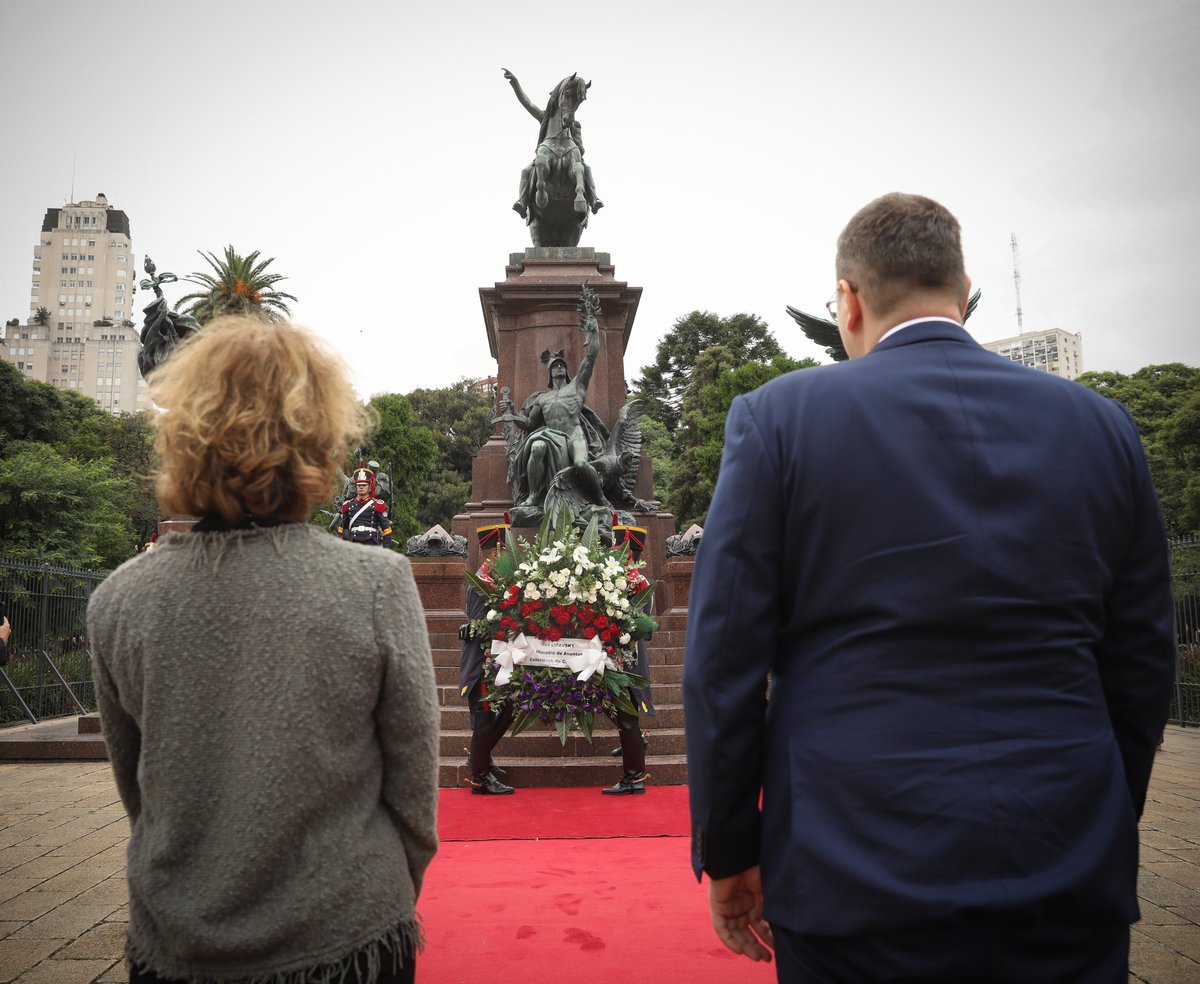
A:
(508, 655)
(593, 659)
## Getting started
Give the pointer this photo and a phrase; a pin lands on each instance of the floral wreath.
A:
(568, 598)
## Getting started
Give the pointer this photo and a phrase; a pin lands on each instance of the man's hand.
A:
(736, 906)
(5, 630)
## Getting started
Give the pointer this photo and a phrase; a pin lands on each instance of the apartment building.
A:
(84, 275)
(1054, 351)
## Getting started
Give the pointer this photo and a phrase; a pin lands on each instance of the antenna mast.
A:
(74, 154)
(1017, 284)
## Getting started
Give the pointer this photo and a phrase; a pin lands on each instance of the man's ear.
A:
(849, 300)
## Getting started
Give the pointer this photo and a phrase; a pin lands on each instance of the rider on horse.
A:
(560, 149)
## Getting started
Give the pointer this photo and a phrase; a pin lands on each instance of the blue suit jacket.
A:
(952, 571)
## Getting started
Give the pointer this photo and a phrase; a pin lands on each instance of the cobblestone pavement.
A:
(63, 899)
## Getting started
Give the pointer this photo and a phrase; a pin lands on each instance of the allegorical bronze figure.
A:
(560, 453)
(162, 328)
(825, 332)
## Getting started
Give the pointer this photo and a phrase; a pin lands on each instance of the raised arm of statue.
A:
(588, 363)
(531, 107)
(589, 308)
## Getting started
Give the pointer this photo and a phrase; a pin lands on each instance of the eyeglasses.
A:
(831, 305)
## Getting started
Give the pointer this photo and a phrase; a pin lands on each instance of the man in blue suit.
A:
(931, 624)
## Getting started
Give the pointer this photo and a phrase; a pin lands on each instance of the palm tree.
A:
(240, 286)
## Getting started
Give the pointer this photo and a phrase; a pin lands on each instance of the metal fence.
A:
(1185, 579)
(49, 672)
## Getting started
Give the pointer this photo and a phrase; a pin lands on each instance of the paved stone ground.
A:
(63, 899)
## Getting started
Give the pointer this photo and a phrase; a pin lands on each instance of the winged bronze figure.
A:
(825, 333)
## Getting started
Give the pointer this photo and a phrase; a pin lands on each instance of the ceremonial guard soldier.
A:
(488, 722)
(364, 519)
(633, 743)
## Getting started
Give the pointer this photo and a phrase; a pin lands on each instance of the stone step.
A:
(664, 770)
(666, 639)
(455, 717)
(668, 693)
(545, 744)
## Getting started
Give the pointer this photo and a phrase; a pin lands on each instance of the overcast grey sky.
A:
(374, 149)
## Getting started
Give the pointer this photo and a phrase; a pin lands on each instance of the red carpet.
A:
(553, 885)
(535, 814)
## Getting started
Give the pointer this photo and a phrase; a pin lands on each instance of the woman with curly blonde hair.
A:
(274, 742)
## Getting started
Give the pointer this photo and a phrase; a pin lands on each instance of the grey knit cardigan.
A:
(268, 700)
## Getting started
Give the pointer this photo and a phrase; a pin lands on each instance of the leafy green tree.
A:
(1164, 401)
(42, 317)
(128, 438)
(1181, 438)
(406, 450)
(460, 419)
(719, 376)
(61, 510)
(237, 285)
(56, 425)
(658, 444)
(663, 384)
(34, 411)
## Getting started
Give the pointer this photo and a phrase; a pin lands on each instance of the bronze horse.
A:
(557, 189)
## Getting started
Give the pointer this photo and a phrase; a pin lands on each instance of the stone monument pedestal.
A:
(535, 308)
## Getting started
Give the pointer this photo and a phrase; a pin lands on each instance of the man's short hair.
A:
(899, 244)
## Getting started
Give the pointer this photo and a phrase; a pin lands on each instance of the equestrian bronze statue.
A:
(557, 190)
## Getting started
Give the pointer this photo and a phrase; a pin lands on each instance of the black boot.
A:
(488, 730)
(488, 785)
(630, 784)
(633, 758)
(616, 752)
(495, 769)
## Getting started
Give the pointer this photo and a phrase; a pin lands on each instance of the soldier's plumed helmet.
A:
(492, 536)
(365, 475)
(635, 536)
